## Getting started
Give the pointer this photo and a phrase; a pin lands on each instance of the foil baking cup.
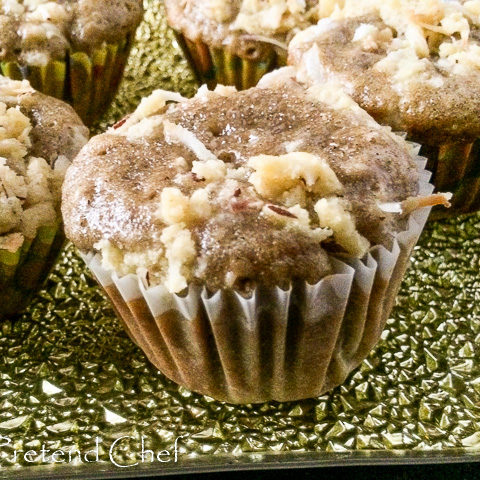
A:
(213, 65)
(23, 271)
(278, 344)
(456, 169)
(88, 81)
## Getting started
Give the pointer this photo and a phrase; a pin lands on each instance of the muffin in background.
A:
(72, 50)
(39, 136)
(235, 42)
(414, 66)
(251, 242)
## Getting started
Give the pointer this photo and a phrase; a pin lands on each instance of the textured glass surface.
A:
(70, 375)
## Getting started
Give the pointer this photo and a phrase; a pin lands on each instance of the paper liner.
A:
(23, 272)
(276, 345)
(456, 169)
(214, 66)
(88, 81)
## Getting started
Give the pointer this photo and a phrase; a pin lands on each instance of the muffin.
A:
(252, 242)
(39, 135)
(235, 42)
(414, 66)
(72, 50)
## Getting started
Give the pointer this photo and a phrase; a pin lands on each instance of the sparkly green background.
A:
(70, 374)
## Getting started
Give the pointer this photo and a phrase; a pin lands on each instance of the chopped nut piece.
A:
(211, 170)
(120, 122)
(281, 211)
(196, 178)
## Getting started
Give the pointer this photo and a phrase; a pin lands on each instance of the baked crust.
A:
(39, 136)
(247, 28)
(418, 74)
(238, 188)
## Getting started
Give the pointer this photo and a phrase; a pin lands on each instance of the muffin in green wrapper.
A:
(72, 50)
(236, 42)
(414, 66)
(39, 136)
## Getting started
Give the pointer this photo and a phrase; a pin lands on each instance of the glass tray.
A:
(69, 375)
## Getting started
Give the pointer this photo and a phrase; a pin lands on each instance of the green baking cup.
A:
(23, 272)
(214, 66)
(88, 81)
(456, 169)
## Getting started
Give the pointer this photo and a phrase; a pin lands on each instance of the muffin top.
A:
(35, 31)
(412, 65)
(235, 189)
(241, 24)
(39, 135)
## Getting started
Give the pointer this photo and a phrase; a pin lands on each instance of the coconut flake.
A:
(390, 207)
(415, 203)
(178, 134)
(149, 106)
(10, 90)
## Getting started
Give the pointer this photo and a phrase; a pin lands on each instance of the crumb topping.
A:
(248, 27)
(333, 213)
(424, 52)
(30, 187)
(273, 176)
(417, 34)
(235, 189)
(265, 16)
